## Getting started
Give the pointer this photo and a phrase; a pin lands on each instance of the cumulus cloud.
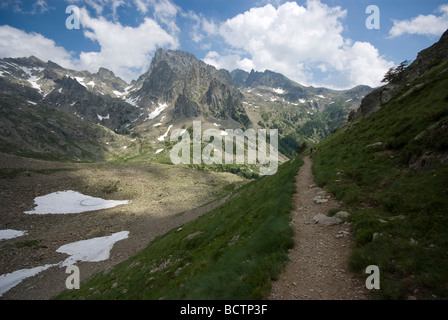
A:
(16, 43)
(125, 50)
(430, 25)
(288, 40)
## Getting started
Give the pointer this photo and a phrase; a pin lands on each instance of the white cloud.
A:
(288, 39)
(16, 43)
(431, 25)
(125, 50)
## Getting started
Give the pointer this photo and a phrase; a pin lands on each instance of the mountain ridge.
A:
(177, 89)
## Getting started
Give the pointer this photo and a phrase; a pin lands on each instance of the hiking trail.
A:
(318, 267)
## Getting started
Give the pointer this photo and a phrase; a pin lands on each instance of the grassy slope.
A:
(376, 184)
(232, 252)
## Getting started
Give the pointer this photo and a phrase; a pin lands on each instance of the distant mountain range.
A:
(177, 89)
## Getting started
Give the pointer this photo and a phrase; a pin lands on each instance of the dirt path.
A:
(318, 267)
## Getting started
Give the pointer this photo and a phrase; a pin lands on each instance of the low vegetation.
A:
(232, 252)
(388, 170)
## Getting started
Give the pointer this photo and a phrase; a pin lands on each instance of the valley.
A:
(159, 202)
(221, 231)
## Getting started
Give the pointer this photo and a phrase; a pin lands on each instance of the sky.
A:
(323, 43)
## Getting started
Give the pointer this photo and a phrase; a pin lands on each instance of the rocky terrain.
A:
(426, 60)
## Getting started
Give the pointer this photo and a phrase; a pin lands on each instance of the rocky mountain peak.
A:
(104, 73)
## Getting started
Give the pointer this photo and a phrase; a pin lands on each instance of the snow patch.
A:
(101, 118)
(33, 80)
(81, 81)
(133, 102)
(279, 90)
(158, 151)
(162, 138)
(158, 111)
(10, 280)
(11, 234)
(92, 250)
(68, 202)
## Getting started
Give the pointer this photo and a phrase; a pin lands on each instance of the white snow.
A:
(33, 80)
(155, 113)
(81, 81)
(302, 100)
(118, 93)
(68, 202)
(162, 138)
(92, 250)
(10, 280)
(279, 90)
(157, 124)
(133, 102)
(11, 234)
(101, 118)
(158, 151)
(216, 125)
(320, 96)
(31, 102)
(91, 83)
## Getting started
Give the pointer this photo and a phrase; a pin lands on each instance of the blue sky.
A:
(314, 42)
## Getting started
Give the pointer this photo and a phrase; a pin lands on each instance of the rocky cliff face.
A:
(89, 96)
(191, 86)
(425, 62)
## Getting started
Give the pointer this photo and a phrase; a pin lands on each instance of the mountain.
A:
(177, 84)
(176, 90)
(192, 87)
(303, 115)
(317, 98)
(389, 167)
(90, 96)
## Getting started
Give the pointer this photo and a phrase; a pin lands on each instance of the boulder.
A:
(342, 214)
(326, 220)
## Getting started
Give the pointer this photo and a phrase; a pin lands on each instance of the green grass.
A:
(378, 185)
(232, 252)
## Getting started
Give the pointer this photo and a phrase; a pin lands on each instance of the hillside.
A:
(232, 252)
(303, 115)
(389, 167)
